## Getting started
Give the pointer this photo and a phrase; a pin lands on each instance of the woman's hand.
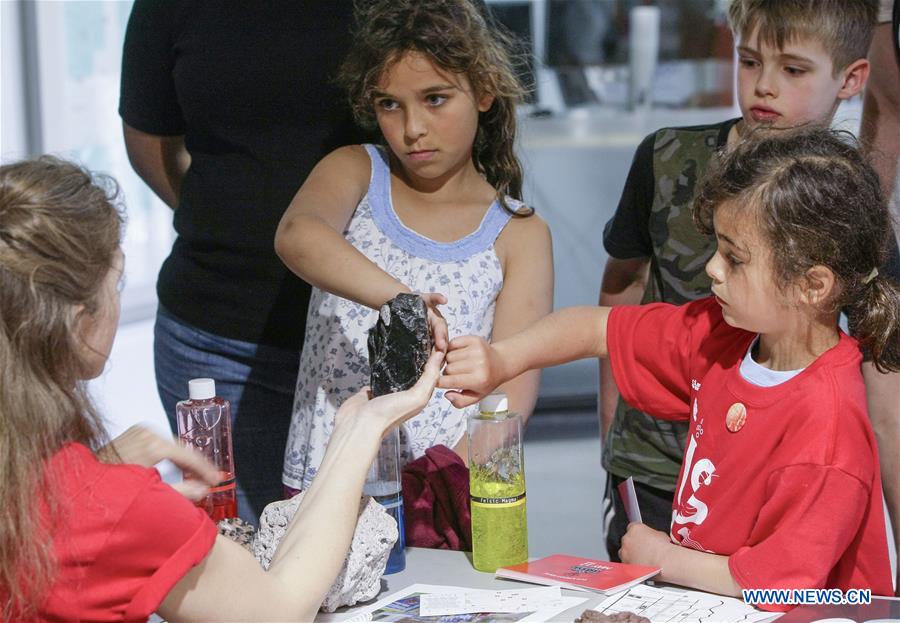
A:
(392, 409)
(474, 369)
(436, 321)
(642, 545)
(140, 446)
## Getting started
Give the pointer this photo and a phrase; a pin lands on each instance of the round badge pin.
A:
(736, 417)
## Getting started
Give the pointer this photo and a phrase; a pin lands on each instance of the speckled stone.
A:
(360, 576)
(399, 344)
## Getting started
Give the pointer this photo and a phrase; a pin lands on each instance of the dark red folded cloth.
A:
(436, 501)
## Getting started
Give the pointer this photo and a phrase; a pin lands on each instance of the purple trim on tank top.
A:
(495, 219)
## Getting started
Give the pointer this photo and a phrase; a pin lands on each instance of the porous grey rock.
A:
(360, 575)
(399, 344)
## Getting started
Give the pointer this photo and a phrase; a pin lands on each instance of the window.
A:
(67, 57)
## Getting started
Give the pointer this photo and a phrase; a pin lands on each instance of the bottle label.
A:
(515, 500)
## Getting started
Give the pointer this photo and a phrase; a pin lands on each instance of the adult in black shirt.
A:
(227, 106)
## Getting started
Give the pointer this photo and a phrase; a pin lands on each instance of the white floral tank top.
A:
(334, 362)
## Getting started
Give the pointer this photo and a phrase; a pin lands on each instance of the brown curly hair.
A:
(458, 37)
(817, 201)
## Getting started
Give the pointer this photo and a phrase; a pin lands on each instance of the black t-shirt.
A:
(250, 86)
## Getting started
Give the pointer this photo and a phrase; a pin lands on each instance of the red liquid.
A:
(221, 502)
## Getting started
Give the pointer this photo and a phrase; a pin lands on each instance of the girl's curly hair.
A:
(458, 37)
(817, 201)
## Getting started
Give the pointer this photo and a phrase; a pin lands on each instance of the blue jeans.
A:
(259, 383)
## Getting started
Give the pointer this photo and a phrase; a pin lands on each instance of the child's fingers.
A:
(465, 354)
(468, 362)
(469, 374)
(433, 298)
(467, 347)
(436, 321)
(440, 333)
(462, 398)
(454, 356)
(464, 341)
(448, 382)
(463, 381)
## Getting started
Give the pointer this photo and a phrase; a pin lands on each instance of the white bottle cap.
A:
(202, 389)
(494, 403)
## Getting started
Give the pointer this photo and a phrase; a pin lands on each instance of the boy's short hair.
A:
(844, 27)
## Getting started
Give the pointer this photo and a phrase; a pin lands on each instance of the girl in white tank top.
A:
(436, 210)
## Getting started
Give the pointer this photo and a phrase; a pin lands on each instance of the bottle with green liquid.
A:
(497, 486)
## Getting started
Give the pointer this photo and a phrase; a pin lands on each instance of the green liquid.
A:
(499, 531)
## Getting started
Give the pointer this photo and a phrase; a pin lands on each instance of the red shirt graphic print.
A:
(689, 507)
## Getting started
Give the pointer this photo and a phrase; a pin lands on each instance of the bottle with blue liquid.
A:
(383, 484)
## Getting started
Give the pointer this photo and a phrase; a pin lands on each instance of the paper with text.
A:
(404, 605)
(682, 606)
(477, 600)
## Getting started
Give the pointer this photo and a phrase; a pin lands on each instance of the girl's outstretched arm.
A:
(230, 585)
(310, 237)
(526, 297)
(474, 367)
(526, 252)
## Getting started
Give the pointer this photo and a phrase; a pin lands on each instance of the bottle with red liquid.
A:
(204, 422)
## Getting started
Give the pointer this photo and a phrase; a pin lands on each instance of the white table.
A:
(450, 568)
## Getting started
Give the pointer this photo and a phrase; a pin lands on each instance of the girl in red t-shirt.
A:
(779, 485)
(84, 536)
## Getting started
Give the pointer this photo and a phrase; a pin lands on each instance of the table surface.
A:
(451, 568)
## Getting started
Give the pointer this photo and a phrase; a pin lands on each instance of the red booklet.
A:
(579, 573)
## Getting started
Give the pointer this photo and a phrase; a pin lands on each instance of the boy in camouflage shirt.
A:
(798, 59)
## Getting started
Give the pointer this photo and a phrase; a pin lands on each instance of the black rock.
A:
(399, 344)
